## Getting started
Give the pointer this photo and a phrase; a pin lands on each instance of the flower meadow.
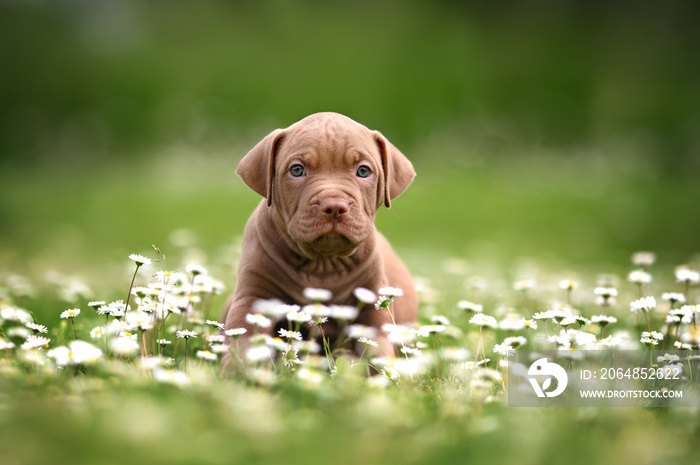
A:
(138, 376)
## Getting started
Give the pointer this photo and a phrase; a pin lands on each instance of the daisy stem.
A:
(391, 315)
(646, 317)
(131, 286)
(72, 320)
(105, 332)
(667, 337)
(186, 339)
(143, 345)
(690, 369)
(154, 332)
(478, 344)
(191, 293)
(327, 349)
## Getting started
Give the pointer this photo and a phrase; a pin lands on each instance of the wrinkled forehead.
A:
(335, 140)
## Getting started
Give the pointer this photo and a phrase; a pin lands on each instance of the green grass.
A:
(114, 411)
(499, 220)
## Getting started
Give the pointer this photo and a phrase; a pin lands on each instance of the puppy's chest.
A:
(340, 282)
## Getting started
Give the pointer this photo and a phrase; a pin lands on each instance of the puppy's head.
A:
(326, 176)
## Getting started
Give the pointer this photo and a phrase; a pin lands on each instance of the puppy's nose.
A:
(334, 208)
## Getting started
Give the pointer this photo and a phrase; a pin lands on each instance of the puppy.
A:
(323, 180)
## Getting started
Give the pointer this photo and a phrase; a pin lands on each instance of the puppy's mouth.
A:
(331, 243)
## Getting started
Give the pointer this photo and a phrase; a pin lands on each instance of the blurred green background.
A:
(565, 131)
(562, 131)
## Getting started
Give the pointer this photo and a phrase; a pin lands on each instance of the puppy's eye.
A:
(297, 171)
(363, 172)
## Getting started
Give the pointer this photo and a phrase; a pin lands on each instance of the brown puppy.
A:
(323, 179)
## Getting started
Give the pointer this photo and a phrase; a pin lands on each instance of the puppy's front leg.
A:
(235, 318)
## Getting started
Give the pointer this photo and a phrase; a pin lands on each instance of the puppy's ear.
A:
(398, 170)
(257, 168)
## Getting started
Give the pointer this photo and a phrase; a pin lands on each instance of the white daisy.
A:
(357, 331)
(439, 319)
(502, 349)
(317, 295)
(390, 373)
(216, 324)
(296, 335)
(645, 304)
(643, 258)
(653, 334)
(399, 334)
(271, 308)
(35, 342)
(639, 277)
(185, 334)
(235, 332)
(78, 352)
(610, 341)
(603, 320)
(512, 323)
(673, 297)
(427, 330)
(583, 338)
(219, 348)
(343, 312)
(37, 328)
(297, 316)
(686, 275)
(682, 345)
(470, 306)
(668, 358)
(258, 353)
(96, 332)
(365, 295)
(605, 292)
(515, 342)
(195, 269)
(258, 319)
(140, 260)
(124, 346)
(72, 313)
(206, 355)
(481, 319)
(366, 341)
(15, 314)
(390, 291)
(175, 377)
(546, 315)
